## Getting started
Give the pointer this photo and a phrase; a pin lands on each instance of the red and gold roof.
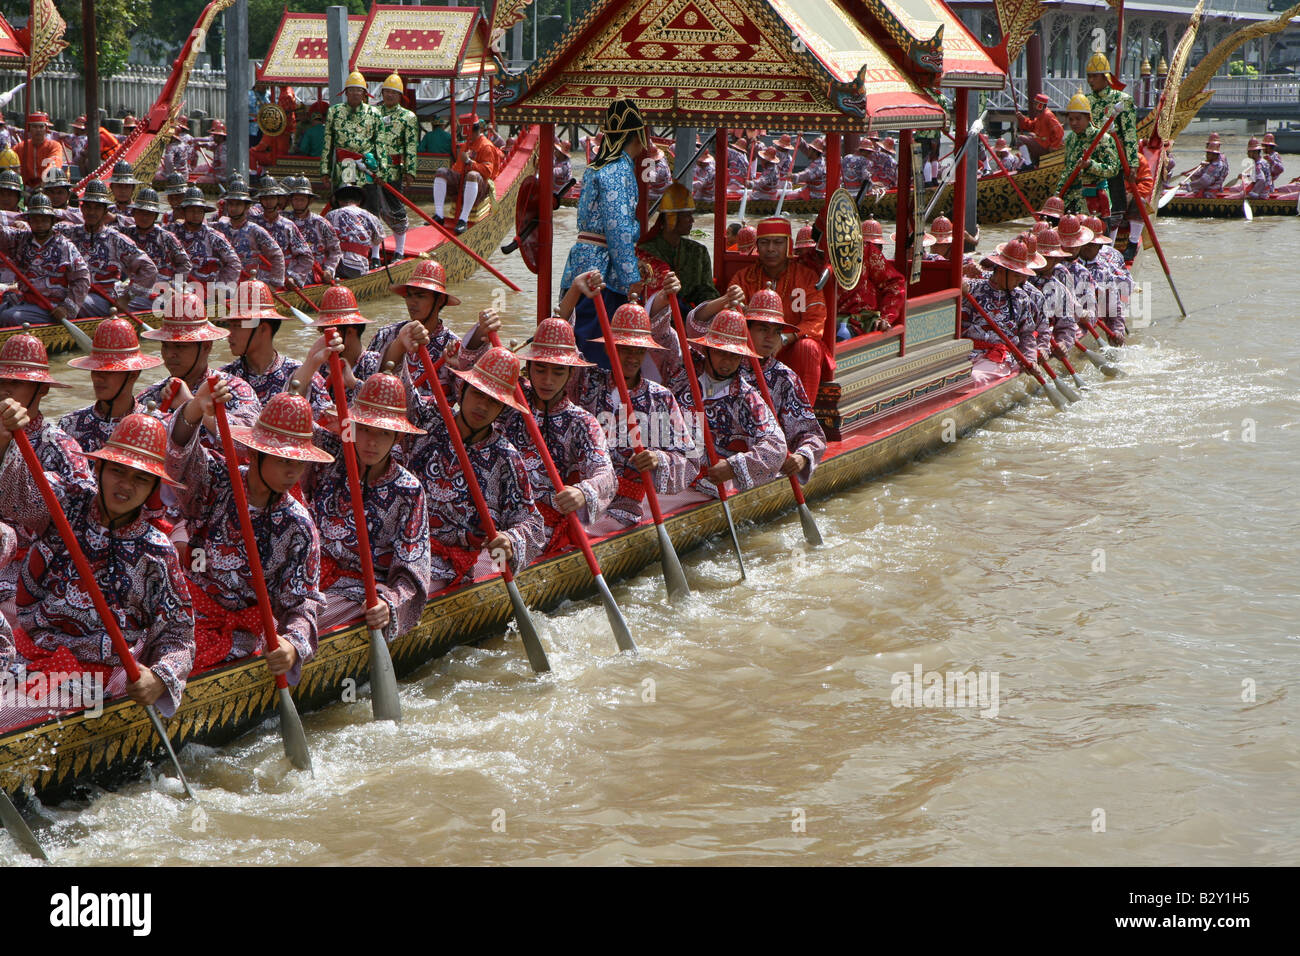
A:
(934, 41)
(12, 53)
(781, 64)
(418, 42)
(299, 54)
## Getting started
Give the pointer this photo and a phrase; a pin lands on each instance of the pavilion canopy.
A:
(12, 53)
(299, 54)
(421, 42)
(919, 27)
(778, 64)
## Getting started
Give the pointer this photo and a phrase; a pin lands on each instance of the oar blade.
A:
(735, 539)
(295, 738)
(161, 730)
(811, 533)
(81, 338)
(674, 576)
(616, 622)
(532, 642)
(18, 829)
(385, 704)
(1067, 389)
(1247, 211)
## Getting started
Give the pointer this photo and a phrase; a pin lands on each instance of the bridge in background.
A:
(1267, 97)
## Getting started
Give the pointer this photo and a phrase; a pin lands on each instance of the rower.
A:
(574, 438)
(1042, 322)
(161, 246)
(397, 520)
(669, 450)
(252, 243)
(187, 338)
(855, 168)
(11, 191)
(608, 228)
(476, 166)
(50, 262)
(1001, 296)
(1111, 283)
(109, 255)
(348, 151)
(122, 184)
(669, 243)
(252, 342)
(1208, 178)
(1010, 162)
(398, 137)
(227, 622)
(938, 241)
(750, 444)
(1089, 188)
(1272, 156)
(59, 190)
(212, 257)
(456, 536)
(174, 187)
(273, 197)
(39, 152)
(338, 311)
(875, 304)
(115, 363)
(885, 163)
(25, 378)
(814, 174)
(804, 438)
(1259, 182)
(360, 232)
(796, 284)
(215, 171)
(59, 630)
(1052, 211)
(315, 228)
(786, 147)
(704, 179)
(1102, 99)
(178, 157)
(737, 163)
(426, 295)
(767, 183)
(1074, 236)
(1056, 282)
(1040, 132)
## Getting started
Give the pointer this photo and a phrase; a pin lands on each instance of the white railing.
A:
(61, 91)
(1268, 89)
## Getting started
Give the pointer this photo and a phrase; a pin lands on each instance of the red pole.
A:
(1087, 154)
(998, 159)
(256, 576)
(696, 396)
(958, 247)
(1146, 218)
(720, 207)
(354, 478)
(833, 173)
(903, 213)
(545, 205)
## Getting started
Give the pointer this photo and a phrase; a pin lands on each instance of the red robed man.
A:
(805, 306)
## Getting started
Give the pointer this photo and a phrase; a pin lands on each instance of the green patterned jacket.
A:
(357, 130)
(399, 135)
(1101, 165)
(1125, 123)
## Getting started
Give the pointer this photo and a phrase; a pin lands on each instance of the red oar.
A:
(295, 740)
(622, 636)
(1065, 360)
(709, 447)
(78, 336)
(674, 576)
(384, 701)
(1151, 230)
(1007, 173)
(532, 643)
(1025, 364)
(452, 236)
(92, 588)
(811, 533)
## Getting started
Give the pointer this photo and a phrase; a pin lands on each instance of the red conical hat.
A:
(630, 325)
(139, 441)
(429, 275)
(1049, 245)
(495, 375)
(254, 301)
(338, 306)
(1073, 233)
(1253, 144)
(1031, 246)
(765, 306)
(381, 403)
(23, 359)
(1054, 206)
(553, 344)
(115, 348)
(184, 319)
(804, 240)
(941, 229)
(1098, 230)
(283, 429)
(1014, 256)
(746, 238)
(873, 231)
(728, 333)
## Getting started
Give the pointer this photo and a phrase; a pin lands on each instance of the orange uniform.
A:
(35, 161)
(796, 286)
(486, 162)
(1046, 127)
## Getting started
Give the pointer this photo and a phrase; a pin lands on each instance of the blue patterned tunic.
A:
(111, 256)
(1014, 312)
(803, 433)
(212, 258)
(296, 250)
(322, 238)
(162, 247)
(89, 429)
(607, 207)
(251, 241)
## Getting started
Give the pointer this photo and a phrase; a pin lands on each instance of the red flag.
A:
(47, 29)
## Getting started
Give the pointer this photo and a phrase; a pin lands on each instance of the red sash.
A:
(631, 484)
(460, 559)
(214, 627)
(560, 528)
(60, 660)
(993, 351)
(356, 248)
(330, 571)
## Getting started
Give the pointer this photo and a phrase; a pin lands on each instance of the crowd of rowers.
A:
(113, 247)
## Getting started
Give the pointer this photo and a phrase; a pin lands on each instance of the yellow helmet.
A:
(1079, 104)
(355, 79)
(1098, 63)
(394, 82)
(677, 198)
(9, 159)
